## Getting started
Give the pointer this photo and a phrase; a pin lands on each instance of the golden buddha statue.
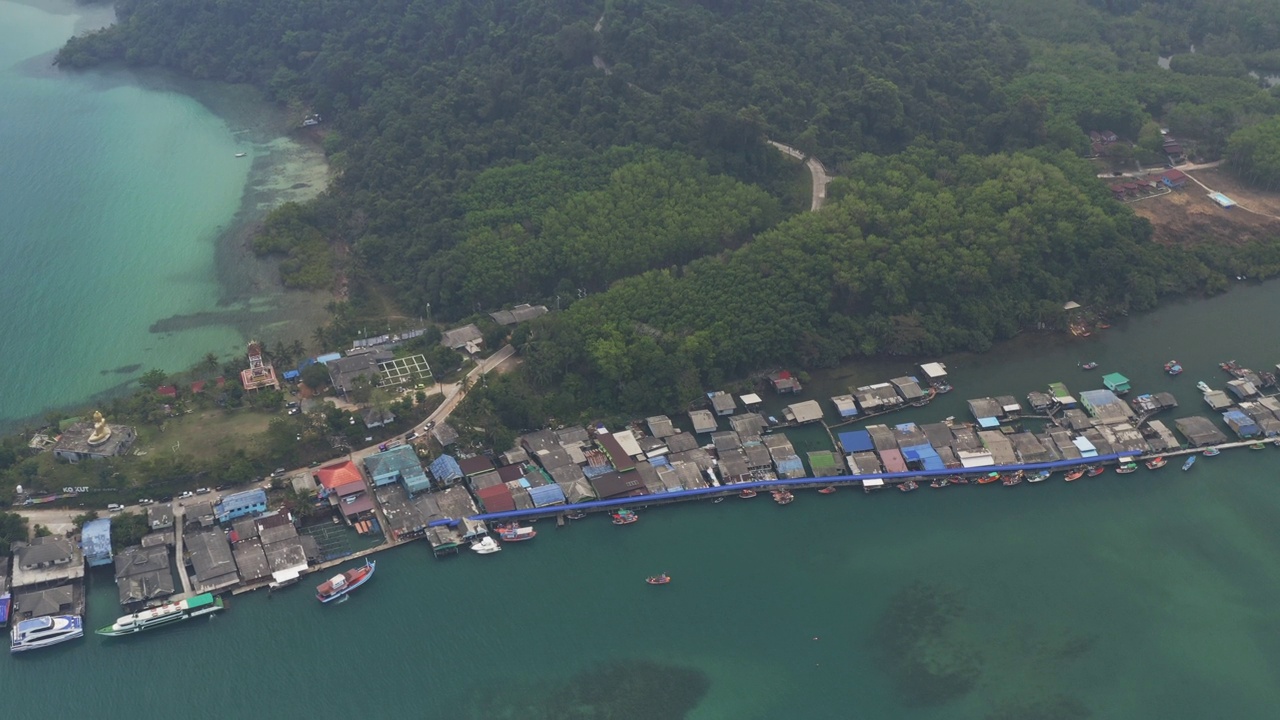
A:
(101, 431)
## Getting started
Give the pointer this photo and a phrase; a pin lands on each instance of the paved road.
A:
(816, 170)
(1149, 171)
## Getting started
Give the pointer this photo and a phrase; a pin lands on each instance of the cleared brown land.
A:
(1187, 216)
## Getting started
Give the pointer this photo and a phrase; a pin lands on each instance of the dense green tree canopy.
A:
(1254, 153)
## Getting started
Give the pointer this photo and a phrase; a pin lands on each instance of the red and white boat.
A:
(662, 579)
(515, 533)
(827, 490)
(624, 517)
(339, 585)
(747, 494)
(1075, 475)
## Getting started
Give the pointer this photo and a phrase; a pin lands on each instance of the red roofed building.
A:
(1174, 178)
(197, 387)
(168, 391)
(331, 477)
(496, 498)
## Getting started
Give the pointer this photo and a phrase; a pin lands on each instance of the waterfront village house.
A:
(722, 403)
(46, 562)
(160, 517)
(399, 464)
(93, 440)
(238, 505)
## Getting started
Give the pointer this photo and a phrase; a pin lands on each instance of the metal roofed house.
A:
(784, 382)
(877, 398)
(1200, 431)
(475, 465)
(1242, 389)
(690, 474)
(199, 513)
(143, 574)
(547, 495)
(750, 400)
(345, 372)
(758, 457)
(519, 314)
(845, 406)
(444, 434)
(1039, 401)
(999, 446)
(496, 498)
(58, 600)
(377, 417)
(726, 440)
(251, 561)
(211, 560)
(574, 435)
(825, 463)
(445, 470)
(241, 504)
(1161, 437)
(722, 403)
(853, 441)
(803, 412)
(573, 482)
(1241, 424)
(703, 421)
(618, 457)
(614, 484)
(1009, 405)
(935, 373)
(1105, 406)
(334, 476)
(45, 561)
(462, 338)
(882, 437)
(399, 464)
(986, 411)
(627, 441)
(1218, 400)
(733, 466)
(909, 388)
(660, 426)
(95, 540)
(681, 442)
(1058, 391)
(1116, 383)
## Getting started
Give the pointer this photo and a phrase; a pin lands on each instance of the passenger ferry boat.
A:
(164, 615)
(44, 631)
(339, 585)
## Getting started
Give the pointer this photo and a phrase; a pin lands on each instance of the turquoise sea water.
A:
(111, 199)
(1142, 596)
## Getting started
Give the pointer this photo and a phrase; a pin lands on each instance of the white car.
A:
(187, 494)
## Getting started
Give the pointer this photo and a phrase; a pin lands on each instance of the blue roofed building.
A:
(241, 504)
(446, 470)
(1237, 420)
(95, 540)
(546, 495)
(856, 441)
(399, 464)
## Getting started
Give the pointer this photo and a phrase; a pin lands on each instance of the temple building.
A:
(260, 373)
(93, 440)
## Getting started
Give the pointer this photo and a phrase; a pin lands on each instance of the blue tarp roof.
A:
(291, 374)
(856, 441)
(933, 462)
(988, 422)
(326, 359)
(790, 464)
(546, 495)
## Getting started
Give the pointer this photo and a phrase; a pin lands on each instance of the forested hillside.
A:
(498, 151)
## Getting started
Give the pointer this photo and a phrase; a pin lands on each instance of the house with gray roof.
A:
(519, 314)
(211, 560)
(46, 562)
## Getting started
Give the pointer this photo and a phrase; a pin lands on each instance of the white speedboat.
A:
(486, 545)
(45, 631)
(1203, 387)
(241, 154)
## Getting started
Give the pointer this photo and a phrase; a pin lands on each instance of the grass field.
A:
(205, 433)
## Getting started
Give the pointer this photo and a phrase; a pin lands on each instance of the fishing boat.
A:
(827, 490)
(623, 517)
(989, 478)
(515, 533)
(339, 585)
(44, 631)
(1089, 366)
(662, 579)
(1203, 387)
(718, 500)
(939, 483)
(1191, 460)
(1229, 366)
(908, 486)
(1040, 476)
(1258, 446)
(1075, 475)
(1094, 471)
(943, 388)
(783, 497)
(1126, 468)
(747, 494)
(1210, 452)
(1156, 463)
(575, 514)
(485, 546)
(241, 154)
(1173, 367)
(958, 480)
(1012, 479)
(204, 604)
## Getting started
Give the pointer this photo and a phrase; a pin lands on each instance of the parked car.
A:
(186, 494)
(115, 507)
(202, 491)
(411, 435)
(278, 472)
(145, 501)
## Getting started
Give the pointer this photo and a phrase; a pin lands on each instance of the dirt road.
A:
(816, 170)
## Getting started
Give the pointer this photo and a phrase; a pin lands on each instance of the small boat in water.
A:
(827, 490)
(1203, 387)
(486, 546)
(1191, 460)
(623, 517)
(1075, 475)
(575, 514)
(1173, 367)
(662, 579)
(1094, 471)
(1040, 476)
(989, 478)
(1089, 366)
(241, 154)
(1126, 468)
(515, 533)
(1156, 463)
(958, 480)
(1210, 452)
(1258, 446)
(44, 631)
(339, 585)
(1012, 478)
(718, 500)
(908, 486)
(783, 497)
(939, 483)
(747, 494)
